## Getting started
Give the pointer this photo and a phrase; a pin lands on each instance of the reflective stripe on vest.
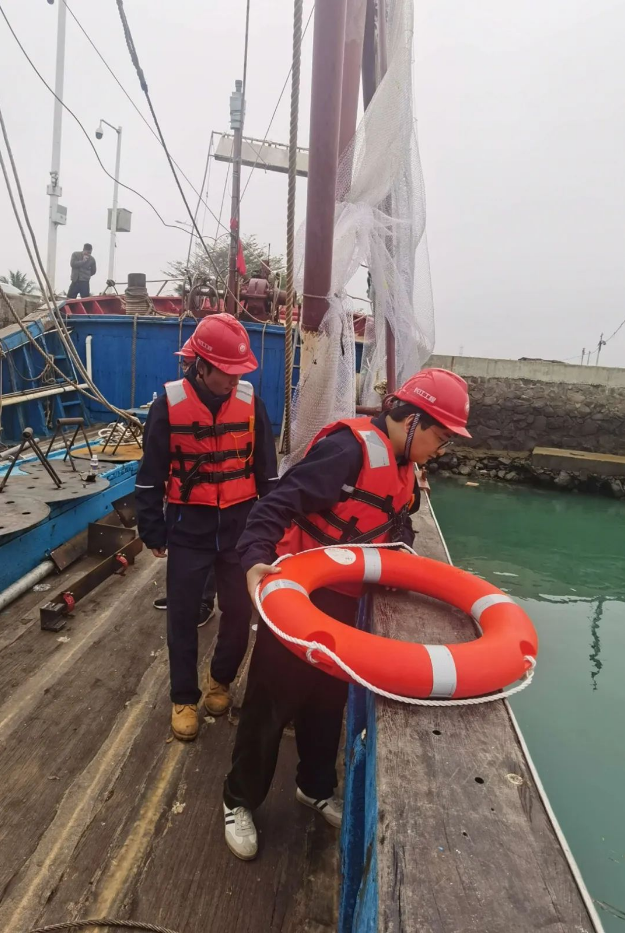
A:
(245, 392)
(376, 449)
(175, 392)
(372, 511)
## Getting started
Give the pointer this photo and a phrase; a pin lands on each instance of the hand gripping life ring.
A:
(503, 654)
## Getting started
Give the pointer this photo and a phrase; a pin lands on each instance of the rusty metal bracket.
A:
(104, 540)
(67, 553)
(126, 509)
(61, 423)
(29, 440)
(53, 614)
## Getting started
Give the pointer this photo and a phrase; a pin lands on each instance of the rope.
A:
(83, 130)
(117, 435)
(144, 87)
(223, 198)
(312, 646)
(199, 201)
(290, 223)
(44, 374)
(275, 110)
(125, 92)
(205, 191)
(38, 267)
(106, 922)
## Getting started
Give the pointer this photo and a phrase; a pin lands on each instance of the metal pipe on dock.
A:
(11, 451)
(17, 398)
(88, 355)
(29, 580)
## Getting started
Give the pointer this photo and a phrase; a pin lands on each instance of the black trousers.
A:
(187, 573)
(282, 688)
(78, 288)
(210, 589)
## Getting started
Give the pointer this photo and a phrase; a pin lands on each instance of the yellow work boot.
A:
(217, 698)
(184, 721)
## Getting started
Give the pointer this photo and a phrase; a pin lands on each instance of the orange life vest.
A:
(212, 459)
(372, 511)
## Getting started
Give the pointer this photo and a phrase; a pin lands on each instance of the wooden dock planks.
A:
(463, 840)
(100, 814)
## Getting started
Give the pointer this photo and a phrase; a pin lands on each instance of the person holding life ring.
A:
(356, 484)
(504, 653)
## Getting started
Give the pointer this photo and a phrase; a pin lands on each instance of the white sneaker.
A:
(330, 809)
(241, 836)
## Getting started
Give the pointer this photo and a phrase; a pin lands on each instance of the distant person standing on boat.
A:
(209, 451)
(356, 483)
(83, 268)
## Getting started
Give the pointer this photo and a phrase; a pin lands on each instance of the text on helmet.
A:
(425, 395)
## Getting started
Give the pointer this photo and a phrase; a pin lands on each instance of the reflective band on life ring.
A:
(502, 655)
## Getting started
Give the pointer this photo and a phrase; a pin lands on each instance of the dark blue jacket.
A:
(313, 484)
(197, 526)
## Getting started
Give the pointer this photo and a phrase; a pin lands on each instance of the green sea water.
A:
(562, 556)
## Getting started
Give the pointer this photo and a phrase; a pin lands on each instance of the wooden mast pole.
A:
(325, 119)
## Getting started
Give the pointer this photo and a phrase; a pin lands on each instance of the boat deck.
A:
(102, 815)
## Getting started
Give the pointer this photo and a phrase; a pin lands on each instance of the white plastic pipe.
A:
(88, 357)
(40, 393)
(25, 583)
(11, 451)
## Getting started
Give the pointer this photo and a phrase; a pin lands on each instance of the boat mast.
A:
(325, 121)
(352, 66)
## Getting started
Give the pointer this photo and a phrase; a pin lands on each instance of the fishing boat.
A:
(106, 819)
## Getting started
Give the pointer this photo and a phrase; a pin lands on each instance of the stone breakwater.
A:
(520, 415)
(522, 404)
(518, 468)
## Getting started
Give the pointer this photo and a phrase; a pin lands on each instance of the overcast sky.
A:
(521, 127)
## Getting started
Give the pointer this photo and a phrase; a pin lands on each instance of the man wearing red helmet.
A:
(209, 451)
(356, 484)
(187, 356)
(207, 607)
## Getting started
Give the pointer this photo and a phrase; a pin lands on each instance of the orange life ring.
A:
(502, 655)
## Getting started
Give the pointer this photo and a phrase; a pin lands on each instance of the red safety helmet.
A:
(221, 340)
(186, 351)
(440, 393)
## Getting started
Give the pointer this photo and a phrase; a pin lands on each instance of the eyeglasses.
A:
(444, 445)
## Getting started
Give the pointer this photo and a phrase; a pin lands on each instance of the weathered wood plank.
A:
(463, 840)
(18, 617)
(133, 826)
(24, 656)
(60, 728)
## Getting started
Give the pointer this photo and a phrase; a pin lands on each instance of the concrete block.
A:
(550, 458)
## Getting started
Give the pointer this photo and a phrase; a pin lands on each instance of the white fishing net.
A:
(379, 223)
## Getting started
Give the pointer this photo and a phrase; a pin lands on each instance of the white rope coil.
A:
(116, 433)
(312, 646)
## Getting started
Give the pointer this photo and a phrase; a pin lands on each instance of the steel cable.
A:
(290, 222)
